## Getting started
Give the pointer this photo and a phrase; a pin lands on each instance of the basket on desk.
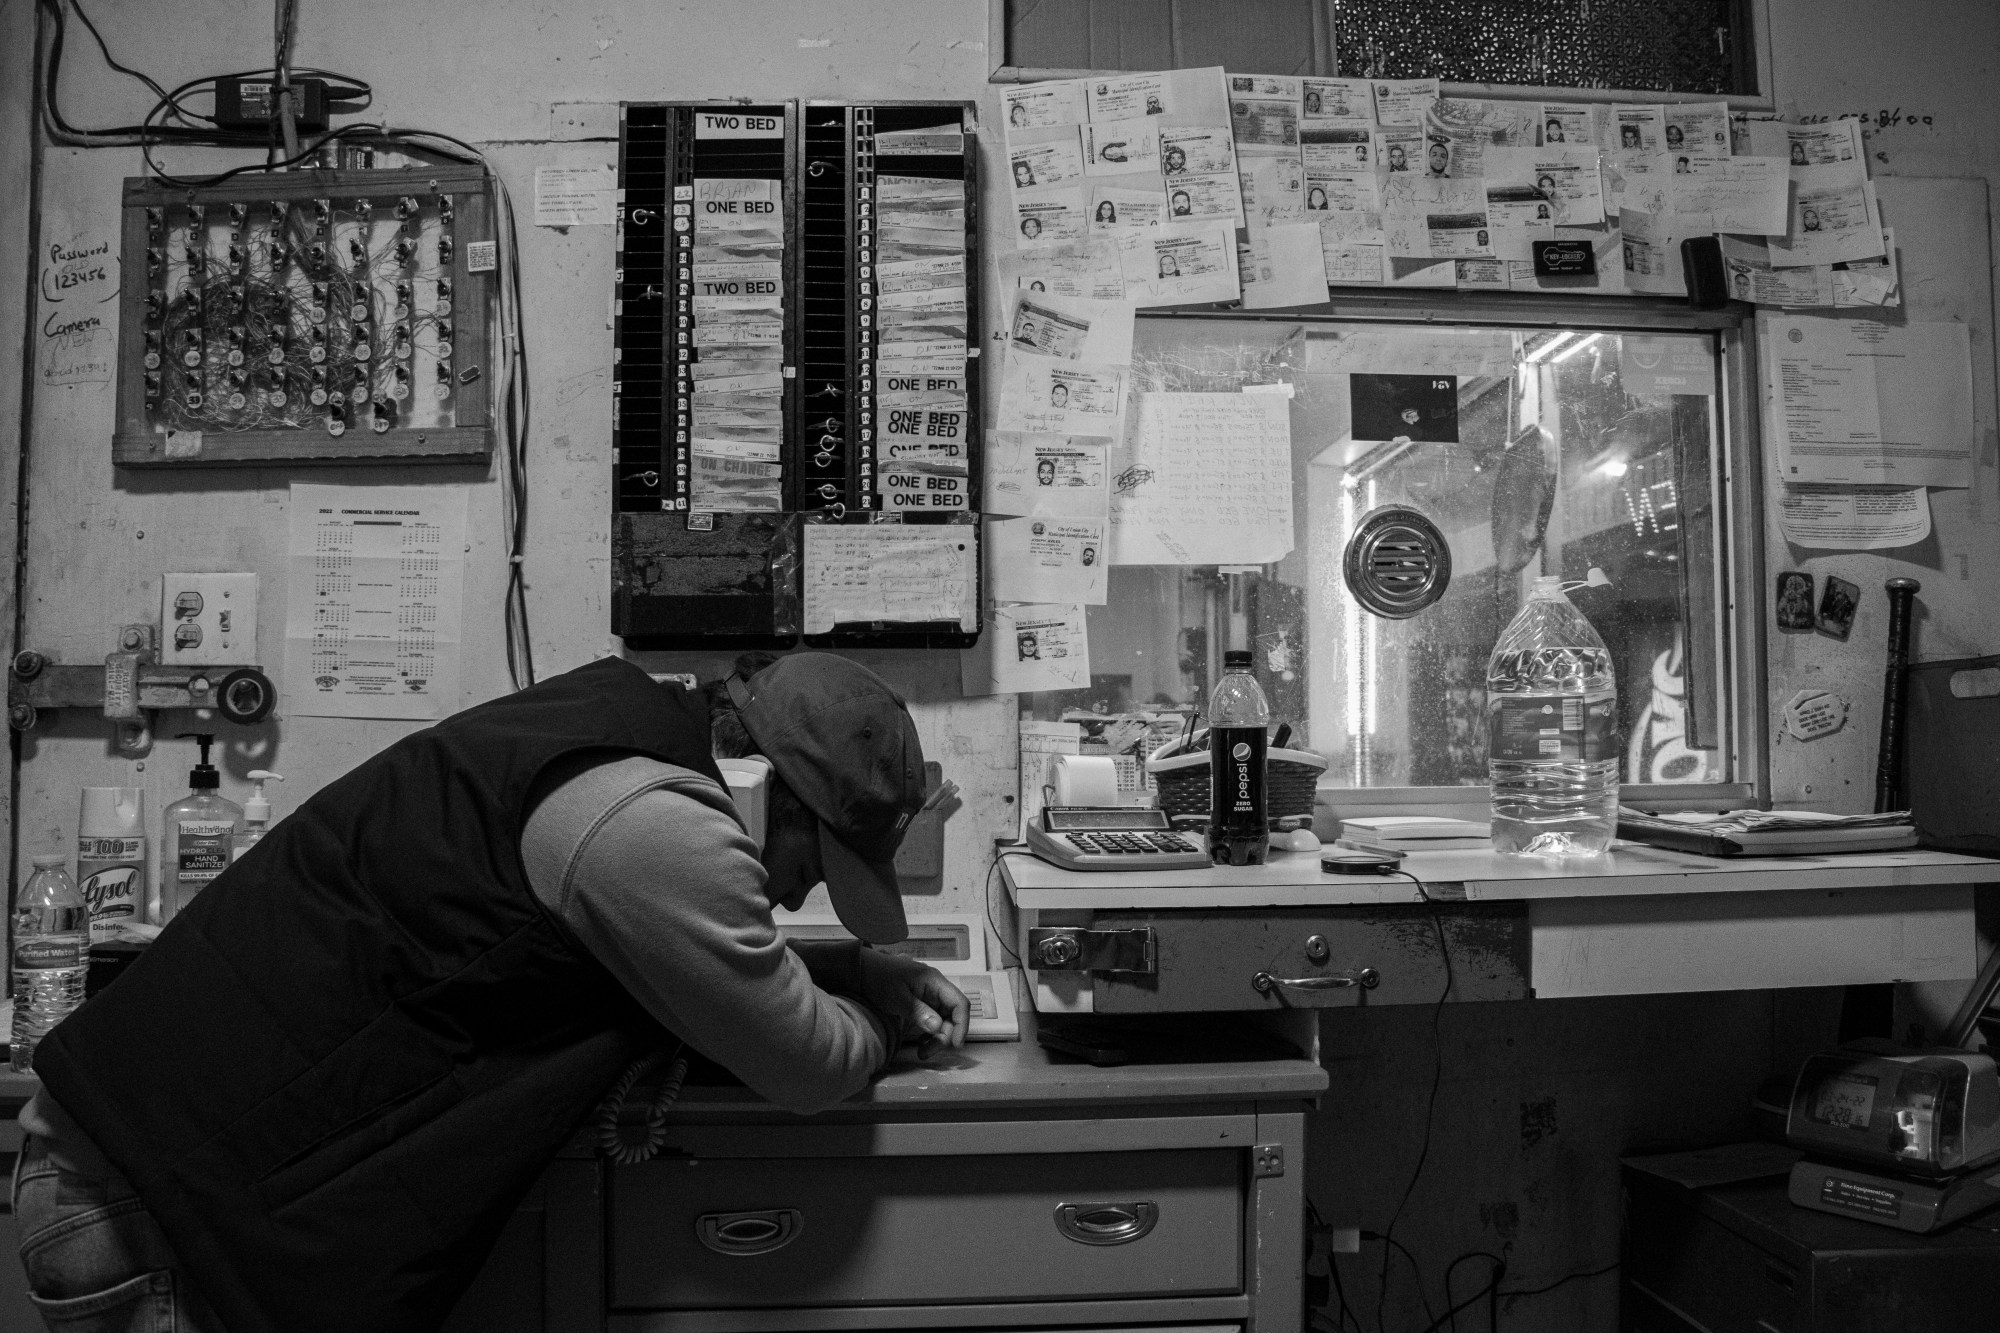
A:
(1290, 778)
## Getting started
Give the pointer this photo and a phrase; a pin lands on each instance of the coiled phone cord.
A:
(631, 1144)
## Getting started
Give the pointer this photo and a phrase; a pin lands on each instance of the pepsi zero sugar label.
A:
(1237, 806)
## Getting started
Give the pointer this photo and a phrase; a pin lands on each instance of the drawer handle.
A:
(1367, 977)
(1106, 1223)
(749, 1233)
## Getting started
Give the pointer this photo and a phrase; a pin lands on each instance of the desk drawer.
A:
(1207, 960)
(713, 1233)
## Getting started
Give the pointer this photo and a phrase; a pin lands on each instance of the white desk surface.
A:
(1294, 879)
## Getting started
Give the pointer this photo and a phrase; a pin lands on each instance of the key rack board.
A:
(740, 421)
(307, 317)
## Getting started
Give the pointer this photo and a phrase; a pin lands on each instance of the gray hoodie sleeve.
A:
(646, 864)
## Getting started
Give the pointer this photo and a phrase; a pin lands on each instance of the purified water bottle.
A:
(1552, 724)
(51, 955)
(1238, 713)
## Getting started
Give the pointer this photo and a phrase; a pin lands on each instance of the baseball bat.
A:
(1889, 759)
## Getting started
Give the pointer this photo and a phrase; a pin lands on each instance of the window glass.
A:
(1534, 451)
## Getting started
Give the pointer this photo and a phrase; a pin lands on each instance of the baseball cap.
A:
(844, 743)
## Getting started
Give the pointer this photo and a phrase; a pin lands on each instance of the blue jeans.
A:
(96, 1260)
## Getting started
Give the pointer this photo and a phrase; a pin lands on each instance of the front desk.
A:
(1007, 1187)
(1638, 920)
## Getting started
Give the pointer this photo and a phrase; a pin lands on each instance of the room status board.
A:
(795, 398)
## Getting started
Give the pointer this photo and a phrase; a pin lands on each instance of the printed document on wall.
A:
(1205, 479)
(375, 579)
(1854, 518)
(1854, 402)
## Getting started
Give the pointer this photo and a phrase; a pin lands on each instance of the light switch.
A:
(208, 619)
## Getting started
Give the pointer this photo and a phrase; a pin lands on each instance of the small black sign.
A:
(1423, 408)
(1564, 259)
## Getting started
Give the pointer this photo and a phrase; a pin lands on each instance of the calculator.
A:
(1093, 837)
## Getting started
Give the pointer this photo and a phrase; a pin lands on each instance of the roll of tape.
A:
(1086, 779)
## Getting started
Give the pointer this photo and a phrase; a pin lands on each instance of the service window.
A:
(1560, 449)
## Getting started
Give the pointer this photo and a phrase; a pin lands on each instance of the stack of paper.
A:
(921, 465)
(739, 326)
(1414, 833)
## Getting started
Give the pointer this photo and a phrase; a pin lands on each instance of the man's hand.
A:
(916, 998)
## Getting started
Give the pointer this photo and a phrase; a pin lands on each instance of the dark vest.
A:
(336, 1074)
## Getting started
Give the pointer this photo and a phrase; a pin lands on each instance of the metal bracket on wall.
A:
(131, 685)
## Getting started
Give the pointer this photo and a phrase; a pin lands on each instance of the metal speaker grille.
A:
(1397, 562)
(1688, 46)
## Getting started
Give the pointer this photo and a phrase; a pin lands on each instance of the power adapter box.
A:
(249, 105)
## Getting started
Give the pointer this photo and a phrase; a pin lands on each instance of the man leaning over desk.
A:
(316, 1100)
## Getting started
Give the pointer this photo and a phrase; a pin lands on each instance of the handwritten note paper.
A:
(889, 572)
(78, 339)
(1205, 479)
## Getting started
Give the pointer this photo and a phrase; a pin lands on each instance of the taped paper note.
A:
(1832, 218)
(1047, 559)
(374, 601)
(1044, 646)
(1092, 269)
(576, 196)
(1056, 397)
(889, 572)
(1347, 102)
(1403, 101)
(1566, 176)
(1046, 474)
(1283, 266)
(1071, 328)
(1176, 265)
(1205, 479)
(1739, 194)
(1840, 518)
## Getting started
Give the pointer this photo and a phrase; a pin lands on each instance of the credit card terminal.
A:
(1123, 837)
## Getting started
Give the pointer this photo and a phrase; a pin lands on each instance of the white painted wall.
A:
(1901, 66)
(489, 74)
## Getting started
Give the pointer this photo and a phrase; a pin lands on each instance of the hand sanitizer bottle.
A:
(201, 831)
(256, 813)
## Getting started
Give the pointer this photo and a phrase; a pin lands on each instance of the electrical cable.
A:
(342, 92)
(998, 933)
(1611, 1267)
(629, 1143)
(1489, 1291)
(1390, 1243)
(1430, 1105)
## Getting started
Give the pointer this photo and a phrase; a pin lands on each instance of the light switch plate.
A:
(208, 619)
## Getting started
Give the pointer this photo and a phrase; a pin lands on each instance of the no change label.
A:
(737, 125)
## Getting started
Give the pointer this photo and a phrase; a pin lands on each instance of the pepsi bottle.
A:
(1238, 817)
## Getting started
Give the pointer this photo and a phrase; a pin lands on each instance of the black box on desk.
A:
(1742, 1258)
